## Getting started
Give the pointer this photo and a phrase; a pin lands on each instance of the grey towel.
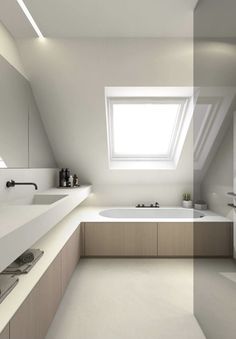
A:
(25, 258)
(16, 268)
(7, 283)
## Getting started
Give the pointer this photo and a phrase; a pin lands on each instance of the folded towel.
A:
(25, 258)
(7, 283)
(15, 268)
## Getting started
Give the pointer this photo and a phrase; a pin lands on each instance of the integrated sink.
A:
(39, 199)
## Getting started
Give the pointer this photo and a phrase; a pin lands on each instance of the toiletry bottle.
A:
(62, 177)
(75, 180)
(71, 181)
(67, 176)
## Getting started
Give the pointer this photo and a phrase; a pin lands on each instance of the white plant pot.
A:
(187, 204)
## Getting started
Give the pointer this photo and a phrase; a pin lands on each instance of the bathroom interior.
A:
(117, 169)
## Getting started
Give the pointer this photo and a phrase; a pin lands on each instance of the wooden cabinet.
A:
(33, 318)
(70, 256)
(200, 239)
(213, 239)
(35, 315)
(23, 324)
(120, 239)
(5, 333)
(175, 239)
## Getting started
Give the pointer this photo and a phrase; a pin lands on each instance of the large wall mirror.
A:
(23, 140)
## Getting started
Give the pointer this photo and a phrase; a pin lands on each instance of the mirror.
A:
(14, 90)
(23, 140)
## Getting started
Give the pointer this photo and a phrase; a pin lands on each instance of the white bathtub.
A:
(163, 213)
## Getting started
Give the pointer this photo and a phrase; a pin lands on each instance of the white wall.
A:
(68, 79)
(45, 178)
(219, 178)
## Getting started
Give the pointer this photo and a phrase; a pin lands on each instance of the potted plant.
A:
(187, 202)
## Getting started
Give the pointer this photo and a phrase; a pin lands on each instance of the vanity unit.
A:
(35, 315)
(28, 310)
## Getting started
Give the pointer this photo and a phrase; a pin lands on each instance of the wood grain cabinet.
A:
(70, 256)
(213, 239)
(5, 333)
(33, 318)
(120, 239)
(175, 239)
(35, 315)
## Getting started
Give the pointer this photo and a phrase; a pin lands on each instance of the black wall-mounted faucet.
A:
(12, 183)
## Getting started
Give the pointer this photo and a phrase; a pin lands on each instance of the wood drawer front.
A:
(213, 239)
(70, 256)
(35, 315)
(175, 239)
(5, 333)
(120, 239)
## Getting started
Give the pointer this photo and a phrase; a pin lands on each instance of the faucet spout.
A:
(12, 183)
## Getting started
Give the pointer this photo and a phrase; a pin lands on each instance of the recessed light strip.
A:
(30, 18)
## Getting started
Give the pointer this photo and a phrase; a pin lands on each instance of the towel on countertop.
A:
(7, 283)
(26, 257)
(16, 268)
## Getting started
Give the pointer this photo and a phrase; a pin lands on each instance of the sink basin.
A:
(39, 199)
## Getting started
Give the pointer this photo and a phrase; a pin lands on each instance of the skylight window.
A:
(143, 129)
(146, 132)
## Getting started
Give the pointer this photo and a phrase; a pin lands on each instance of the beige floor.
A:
(128, 299)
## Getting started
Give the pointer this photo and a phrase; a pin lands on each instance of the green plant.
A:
(187, 196)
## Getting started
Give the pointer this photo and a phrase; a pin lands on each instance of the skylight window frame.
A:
(158, 159)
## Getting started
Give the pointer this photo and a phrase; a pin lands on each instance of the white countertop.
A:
(23, 225)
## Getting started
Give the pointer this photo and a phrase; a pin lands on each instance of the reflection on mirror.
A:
(213, 147)
(14, 89)
(23, 140)
(213, 115)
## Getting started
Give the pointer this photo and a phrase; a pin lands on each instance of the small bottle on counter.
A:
(75, 181)
(67, 176)
(71, 184)
(62, 179)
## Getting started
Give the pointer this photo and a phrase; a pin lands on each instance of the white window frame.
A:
(168, 161)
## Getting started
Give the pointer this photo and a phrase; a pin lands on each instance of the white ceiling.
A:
(104, 18)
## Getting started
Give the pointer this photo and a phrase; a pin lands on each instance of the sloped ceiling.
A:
(104, 18)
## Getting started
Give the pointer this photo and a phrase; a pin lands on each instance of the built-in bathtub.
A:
(153, 213)
(155, 232)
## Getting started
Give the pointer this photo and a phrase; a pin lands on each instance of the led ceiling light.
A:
(30, 18)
